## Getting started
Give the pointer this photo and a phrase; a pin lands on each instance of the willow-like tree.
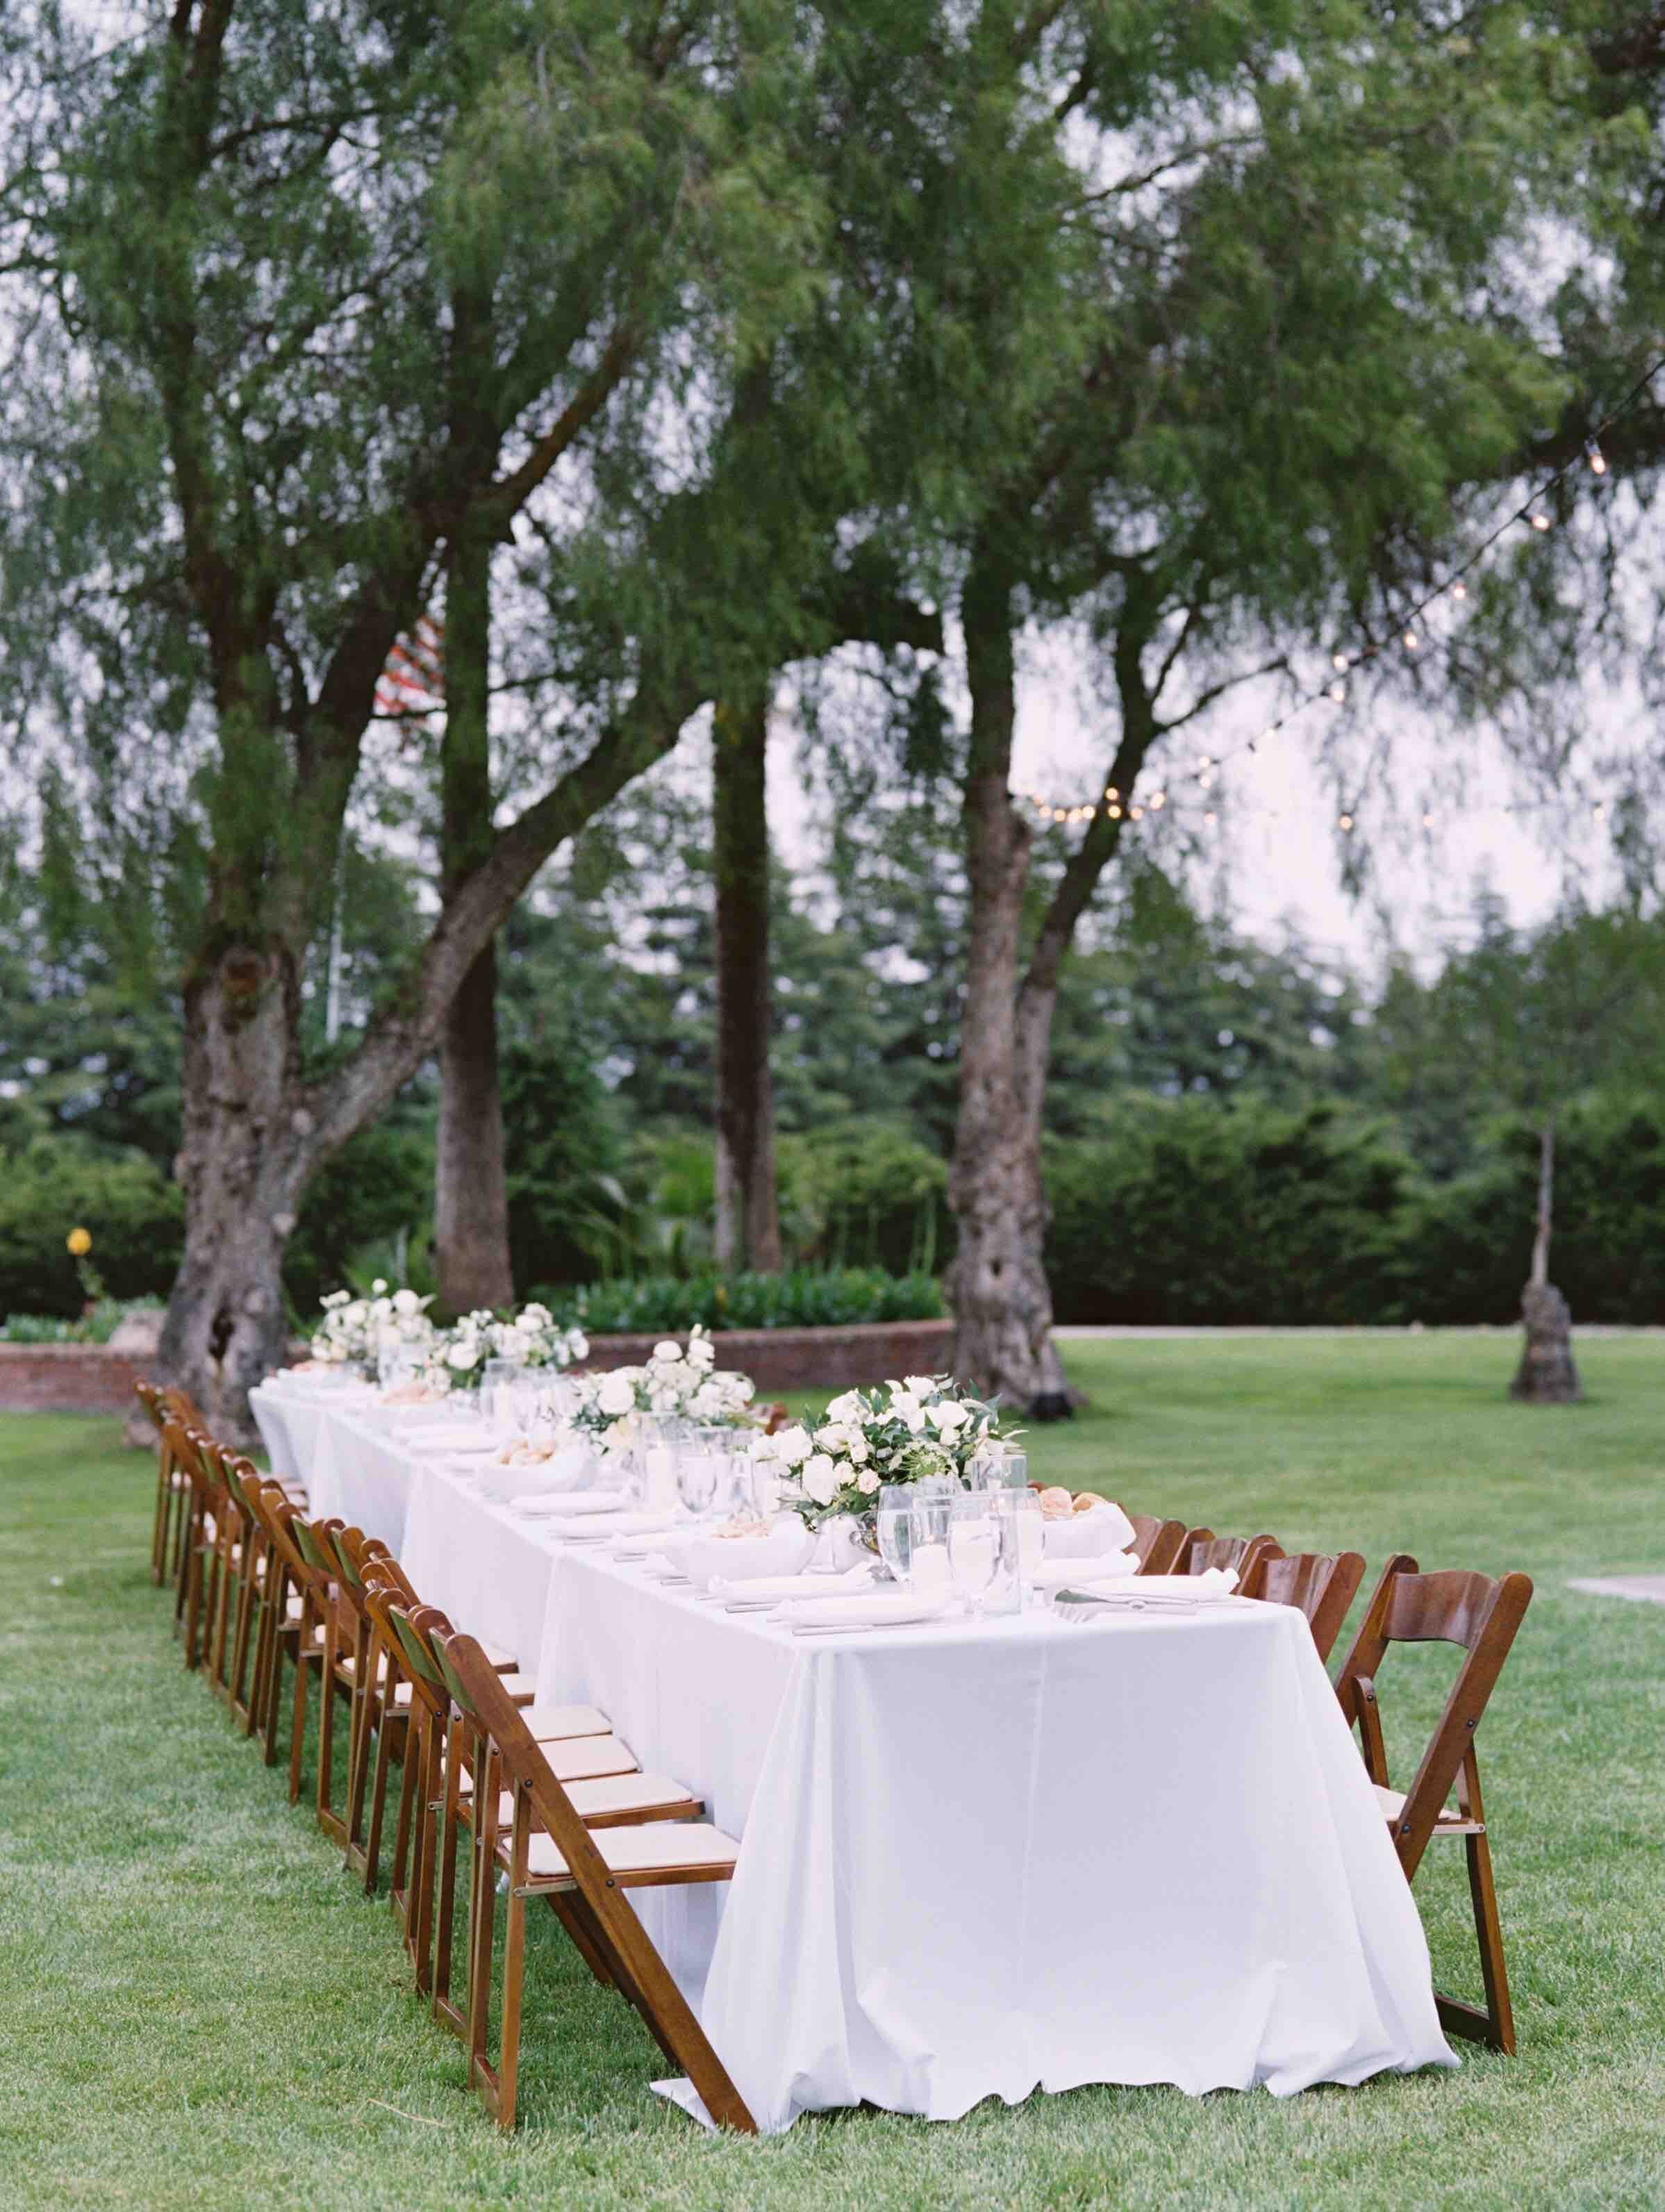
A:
(235, 247)
(1285, 240)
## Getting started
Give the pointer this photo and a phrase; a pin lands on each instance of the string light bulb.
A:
(1459, 590)
(1159, 801)
(1338, 661)
(1338, 692)
(1412, 640)
(1115, 813)
(1135, 814)
(1347, 822)
(1595, 456)
(1538, 521)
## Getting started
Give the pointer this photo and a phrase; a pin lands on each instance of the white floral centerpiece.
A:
(895, 1432)
(531, 1337)
(675, 1384)
(354, 1330)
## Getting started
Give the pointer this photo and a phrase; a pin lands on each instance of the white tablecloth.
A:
(483, 1565)
(979, 1860)
(976, 1861)
(349, 1452)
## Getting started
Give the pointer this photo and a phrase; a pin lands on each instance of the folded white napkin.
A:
(450, 1437)
(1084, 1574)
(563, 1504)
(1212, 1582)
(771, 1589)
(882, 1609)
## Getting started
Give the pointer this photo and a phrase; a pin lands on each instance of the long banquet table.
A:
(976, 1858)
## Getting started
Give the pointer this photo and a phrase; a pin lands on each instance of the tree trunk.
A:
(748, 1222)
(997, 1285)
(1548, 1374)
(243, 1161)
(1540, 1274)
(470, 1195)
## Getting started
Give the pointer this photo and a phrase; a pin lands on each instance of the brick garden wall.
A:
(91, 1379)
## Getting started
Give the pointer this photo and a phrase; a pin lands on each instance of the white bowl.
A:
(785, 1551)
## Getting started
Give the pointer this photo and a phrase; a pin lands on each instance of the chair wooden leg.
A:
(483, 1927)
(241, 1701)
(392, 1725)
(1495, 2026)
(508, 2028)
(297, 1718)
(163, 1527)
(415, 1755)
(448, 1818)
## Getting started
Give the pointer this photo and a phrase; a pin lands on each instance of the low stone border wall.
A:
(92, 1378)
(68, 1378)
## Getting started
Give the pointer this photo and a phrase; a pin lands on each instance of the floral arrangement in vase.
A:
(894, 1432)
(531, 1338)
(354, 1330)
(674, 1384)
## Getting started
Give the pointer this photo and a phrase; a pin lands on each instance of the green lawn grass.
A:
(198, 2008)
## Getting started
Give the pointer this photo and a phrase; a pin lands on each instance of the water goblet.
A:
(495, 1377)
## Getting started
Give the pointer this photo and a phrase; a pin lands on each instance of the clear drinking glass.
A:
(1020, 1511)
(927, 1535)
(495, 1377)
(701, 1468)
(975, 1544)
(894, 1524)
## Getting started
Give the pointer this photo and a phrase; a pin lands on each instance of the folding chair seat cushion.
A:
(549, 1724)
(665, 1851)
(578, 1759)
(614, 1800)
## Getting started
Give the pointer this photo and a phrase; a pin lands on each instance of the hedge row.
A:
(1182, 1210)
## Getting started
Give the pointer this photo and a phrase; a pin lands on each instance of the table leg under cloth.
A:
(981, 1860)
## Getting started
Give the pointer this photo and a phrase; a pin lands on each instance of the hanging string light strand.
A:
(1410, 633)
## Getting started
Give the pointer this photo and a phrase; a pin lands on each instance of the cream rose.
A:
(792, 1447)
(866, 1482)
(820, 1479)
(617, 1395)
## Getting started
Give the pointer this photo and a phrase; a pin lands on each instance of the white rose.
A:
(919, 1386)
(948, 1417)
(831, 1438)
(701, 1351)
(406, 1303)
(820, 1479)
(617, 1395)
(463, 1356)
(866, 1482)
(744, 1389)
(848, 1407)
(666, 1351)
(856, 1449)
(792, 1447)
(535, 1317)
(378, 1289)
(578, 1345)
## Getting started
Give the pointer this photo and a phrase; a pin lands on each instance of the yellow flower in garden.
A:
(80, 1242)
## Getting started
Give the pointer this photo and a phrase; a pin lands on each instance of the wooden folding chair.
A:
(197, 1538)
(1202, 1549)
(323, 1603)
(173, 1485)
(1156, 1543)
(277, 1608)
(549, 1852)
(1482, 1618)
(252, 1567)
(1320, 1585)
